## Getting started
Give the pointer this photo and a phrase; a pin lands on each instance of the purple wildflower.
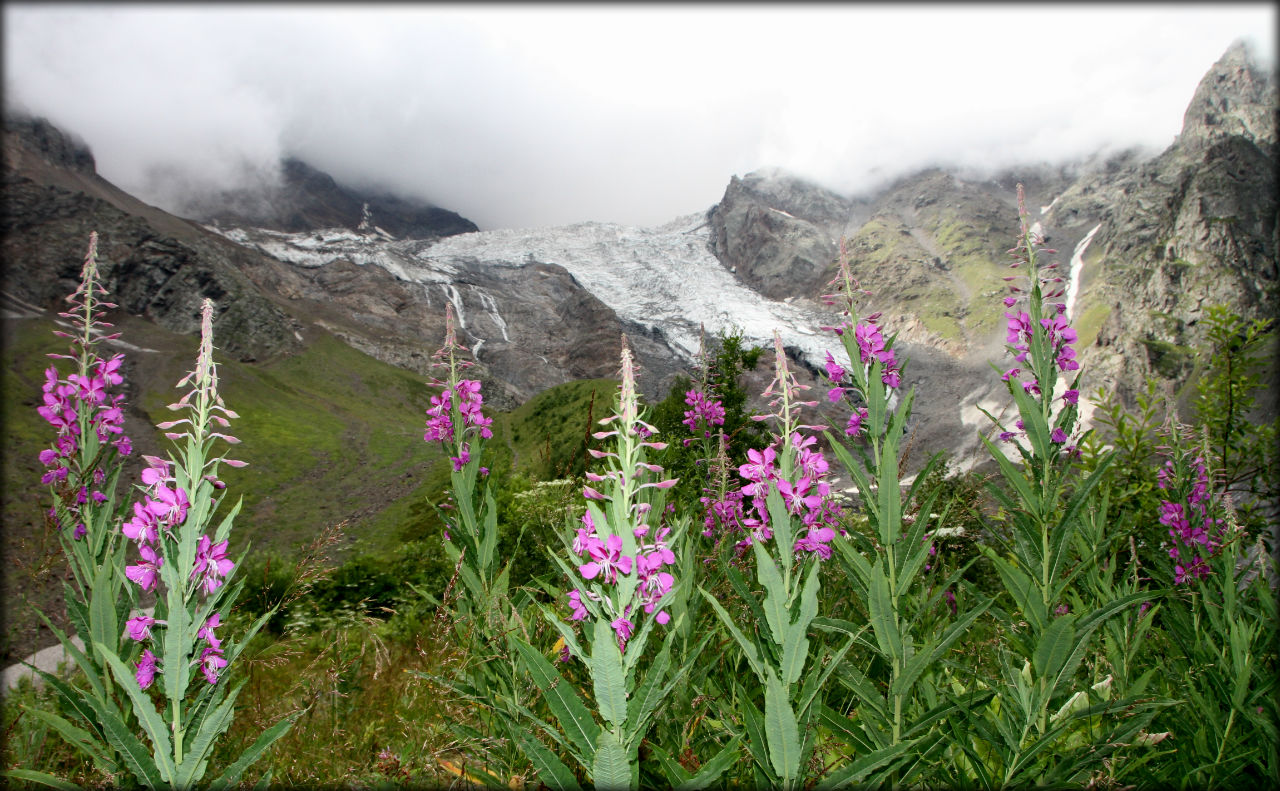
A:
(146, 671)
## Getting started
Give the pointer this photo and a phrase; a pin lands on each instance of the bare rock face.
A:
(1236, 99)
(46, 232)
(778, 233)
(1196, 226)
(46, 141)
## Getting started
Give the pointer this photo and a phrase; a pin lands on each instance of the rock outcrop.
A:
(149, 272)
(776, 232)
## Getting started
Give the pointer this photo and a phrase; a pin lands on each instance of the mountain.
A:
(304, 198)
(1146, 243)
(1195, 226)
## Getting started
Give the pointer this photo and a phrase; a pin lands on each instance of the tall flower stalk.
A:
(182, 546)
(884, 566)
(1220, 624)
(181, 559)
(480, 615)
(1024, 735)
(789, 525)
(456, 420)
(83, 466)
(619, 564)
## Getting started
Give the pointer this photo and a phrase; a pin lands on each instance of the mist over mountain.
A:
(303, 198)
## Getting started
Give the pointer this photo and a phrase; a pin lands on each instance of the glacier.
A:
(662, 278)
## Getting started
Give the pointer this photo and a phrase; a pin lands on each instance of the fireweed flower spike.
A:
(188, 569)
(623, 547)
(883, 563)
(456, 420)
(619, 566)
(1189, 510)
(82, 468)
(1041, 343)
(790, 527)
(83, 463)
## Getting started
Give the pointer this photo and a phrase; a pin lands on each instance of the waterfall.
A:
(1077, 265)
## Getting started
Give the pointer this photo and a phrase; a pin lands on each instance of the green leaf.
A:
(844, 728)
(781, 731)
(611, 771)
(753, 725)
(874, 706)
(155, 727)
(795, 649)
(675, 773)
(825, 667)
(711, 770)
(191, 769)
(231, 776)
(1036, 426)
(566, 632)
(79, 738)
(917, 664)
(748, 648)
(779, 521)
(551, 770)
(775, 593)
(884, 622)
(844, 627)
(607, 676)
(83, 705)
(134, 753)
(857, 567)
(1054, 647)
(1013, 476)
(32, 776)
(89, 669)
(1022, 588)
(650, 693)
(563, 700)
(857, 771)
(743, 591)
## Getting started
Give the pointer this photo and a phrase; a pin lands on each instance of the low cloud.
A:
(551, 115)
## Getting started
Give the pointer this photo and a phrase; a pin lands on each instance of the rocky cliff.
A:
(1195, 226)
(154, 265)
(777, 233)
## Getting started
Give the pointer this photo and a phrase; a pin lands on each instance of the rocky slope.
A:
(160, 267)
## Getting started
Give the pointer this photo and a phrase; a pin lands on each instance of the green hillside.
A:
(332, 437)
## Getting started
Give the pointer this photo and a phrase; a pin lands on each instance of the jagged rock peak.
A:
(1237, 98)
(54, 145)
(777, 232)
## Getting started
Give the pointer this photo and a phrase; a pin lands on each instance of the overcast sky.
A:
(527, 115)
